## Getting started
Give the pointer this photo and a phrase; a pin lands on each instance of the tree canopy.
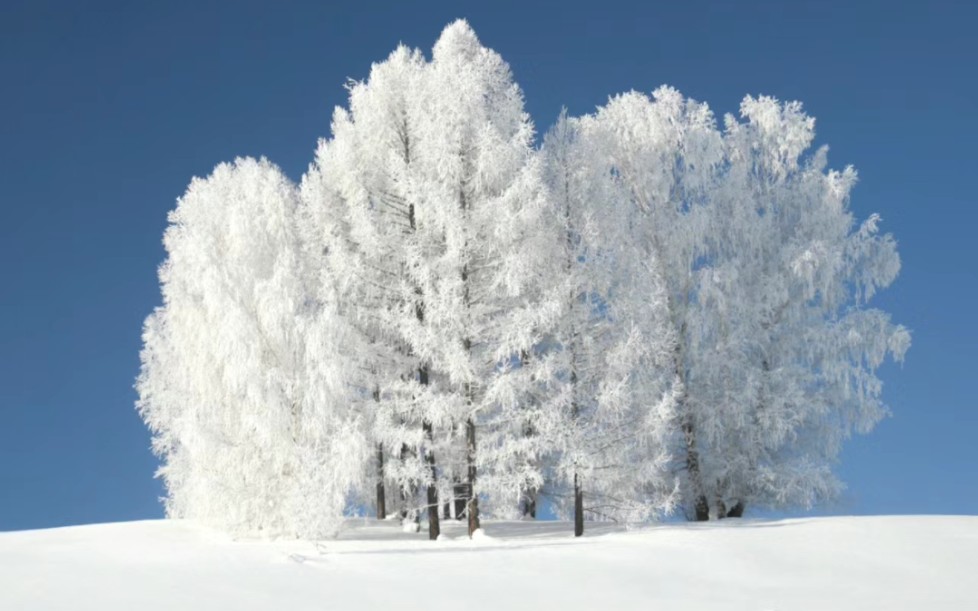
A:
(642, 313)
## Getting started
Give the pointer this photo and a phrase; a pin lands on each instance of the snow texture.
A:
(922, 562)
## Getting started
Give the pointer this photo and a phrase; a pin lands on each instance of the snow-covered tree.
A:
(790, 362)
(774, 352)
(442, 199)
(614, 337)
(360, 198)
(662, 151)
(246, 419)
(646, 310)
(478, 259)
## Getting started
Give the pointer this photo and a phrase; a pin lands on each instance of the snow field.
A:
(922, 562)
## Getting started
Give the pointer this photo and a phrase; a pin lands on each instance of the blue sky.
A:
(107, 109)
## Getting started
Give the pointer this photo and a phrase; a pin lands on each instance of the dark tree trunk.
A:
(721, 509)
(432, 501)
(571, 299)
(462, 493)
(578, 507)
(737, 511)
(409, 496)
(381, 498)
(451, 505)
(405, 452)
(473, 505)
(530, 504)
(701, 507)
(434, 527)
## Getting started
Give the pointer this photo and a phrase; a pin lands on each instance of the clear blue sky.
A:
(107, 109)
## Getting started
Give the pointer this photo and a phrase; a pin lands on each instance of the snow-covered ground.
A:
(829, 564)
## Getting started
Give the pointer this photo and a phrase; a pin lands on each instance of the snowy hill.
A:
(824, 563)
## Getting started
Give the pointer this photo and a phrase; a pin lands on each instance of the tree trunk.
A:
(530, 504)
(409, 496)
(578, 507)
(381, 498)
(701, 506)
(737, 511)
(434, 527)
(462, 492)
(452, 511)
(405, 452)
(432, 501)
(721, 509)
(473, 506)
(571, 300)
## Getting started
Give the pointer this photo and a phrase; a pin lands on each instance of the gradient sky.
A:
(107, 109)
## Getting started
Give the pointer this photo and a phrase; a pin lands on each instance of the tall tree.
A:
(442, 197)
(663, 150)
(245, 419)
(790, 369)
(765, 278)
(614, 337)
(364, 178)
(476, 252)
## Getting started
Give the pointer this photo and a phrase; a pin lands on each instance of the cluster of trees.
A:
(645, 313)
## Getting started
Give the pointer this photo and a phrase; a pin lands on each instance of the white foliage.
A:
(237, 381)
(662, 310)
(765, 280)
(612, 426)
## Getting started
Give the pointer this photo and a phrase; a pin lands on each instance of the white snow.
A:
(921, 562)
